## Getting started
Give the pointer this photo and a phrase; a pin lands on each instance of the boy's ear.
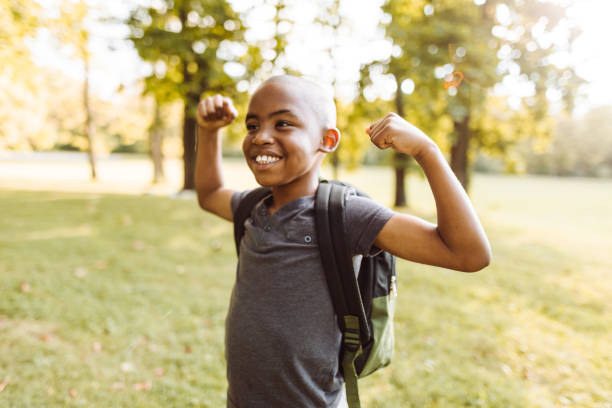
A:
(330, 140)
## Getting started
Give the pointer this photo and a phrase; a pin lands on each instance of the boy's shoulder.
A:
(363, 217)
(355, 200)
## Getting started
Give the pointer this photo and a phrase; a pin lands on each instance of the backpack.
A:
(365, 305)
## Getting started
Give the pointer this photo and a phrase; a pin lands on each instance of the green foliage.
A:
(578, 147)
(139, 146)
(20, 88)
(353, 120)
(487, 44)
(189, 45)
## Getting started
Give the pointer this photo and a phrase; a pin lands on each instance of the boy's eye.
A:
(283, 123)
(251, 126)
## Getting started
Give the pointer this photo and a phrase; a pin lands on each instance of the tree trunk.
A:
(189, 139)
(191, 101)
(87, 125)
(400, 160)
(459, 151)
(155, 145)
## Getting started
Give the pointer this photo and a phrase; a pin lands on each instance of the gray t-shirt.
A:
(282, 340)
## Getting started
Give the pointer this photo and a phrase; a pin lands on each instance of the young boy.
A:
(282, 339)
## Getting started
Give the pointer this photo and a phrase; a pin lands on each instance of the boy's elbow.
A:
(477, 261)
(204, 202)
(201, 202)
(203, 199)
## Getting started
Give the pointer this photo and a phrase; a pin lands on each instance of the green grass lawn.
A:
(119, 301)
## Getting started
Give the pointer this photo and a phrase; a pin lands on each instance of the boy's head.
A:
(291, 125)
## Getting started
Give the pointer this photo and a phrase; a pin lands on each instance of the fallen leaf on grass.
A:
(96, 347)
(127, 366)
(188, 349)
(25, 287)
(80, 272)
(4, 383)
(430, 365)
(526, 373)
(45, 337)
(73, 393)
(100, 264)
(143, 386)
(138, 245)
(126, 219)
(159, 371)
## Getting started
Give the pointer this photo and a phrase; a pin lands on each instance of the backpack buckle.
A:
(351, 335)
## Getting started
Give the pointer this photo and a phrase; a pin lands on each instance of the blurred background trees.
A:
(195, 47)
(448, 56)
(489, 80)
(20, 119)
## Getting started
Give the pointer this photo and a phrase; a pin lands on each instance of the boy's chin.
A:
(265, 181)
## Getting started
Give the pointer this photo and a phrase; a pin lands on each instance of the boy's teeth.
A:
(265, 159)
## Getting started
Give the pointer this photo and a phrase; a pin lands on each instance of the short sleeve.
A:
(364, 219)
(236, 199)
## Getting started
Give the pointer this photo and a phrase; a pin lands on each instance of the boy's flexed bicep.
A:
(415, 239)
(458, 241)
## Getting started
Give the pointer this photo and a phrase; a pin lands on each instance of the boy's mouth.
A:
(265, 160)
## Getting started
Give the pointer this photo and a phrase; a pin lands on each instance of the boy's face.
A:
(283, 141)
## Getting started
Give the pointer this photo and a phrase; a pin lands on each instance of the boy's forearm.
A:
(458, 224)
(208, 175)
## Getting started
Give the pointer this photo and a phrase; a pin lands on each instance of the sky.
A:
(115, 61)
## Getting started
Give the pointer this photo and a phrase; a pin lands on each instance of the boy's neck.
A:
(289, 192)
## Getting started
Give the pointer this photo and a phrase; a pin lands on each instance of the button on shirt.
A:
(282, 340)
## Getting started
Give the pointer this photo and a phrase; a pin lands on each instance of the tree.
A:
(282, 26)
(193, 47)
(21, 115)
(579, 147)
(72, 28)
(156, 132)
(331, 18)
(454, 55)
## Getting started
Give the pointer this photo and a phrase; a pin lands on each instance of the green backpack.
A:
(364, 305)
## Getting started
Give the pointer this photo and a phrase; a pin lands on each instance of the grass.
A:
(115, 300)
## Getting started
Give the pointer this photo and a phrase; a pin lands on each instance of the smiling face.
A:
(285, 132)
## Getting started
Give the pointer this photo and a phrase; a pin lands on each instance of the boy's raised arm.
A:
(458, 241)
(213, 113)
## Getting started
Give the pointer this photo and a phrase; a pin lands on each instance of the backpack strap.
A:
(337, 220)
(244, 210)
(343, 287)
(328, 256)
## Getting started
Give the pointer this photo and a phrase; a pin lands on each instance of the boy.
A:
(282, 338)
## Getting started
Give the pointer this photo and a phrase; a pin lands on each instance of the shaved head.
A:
(320, 100)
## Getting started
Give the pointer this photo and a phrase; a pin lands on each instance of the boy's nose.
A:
(262, 137)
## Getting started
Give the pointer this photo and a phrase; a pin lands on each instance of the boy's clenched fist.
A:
(215, 112)
(395, 132)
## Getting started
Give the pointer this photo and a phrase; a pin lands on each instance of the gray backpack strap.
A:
(244, 210)
(342, 283)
